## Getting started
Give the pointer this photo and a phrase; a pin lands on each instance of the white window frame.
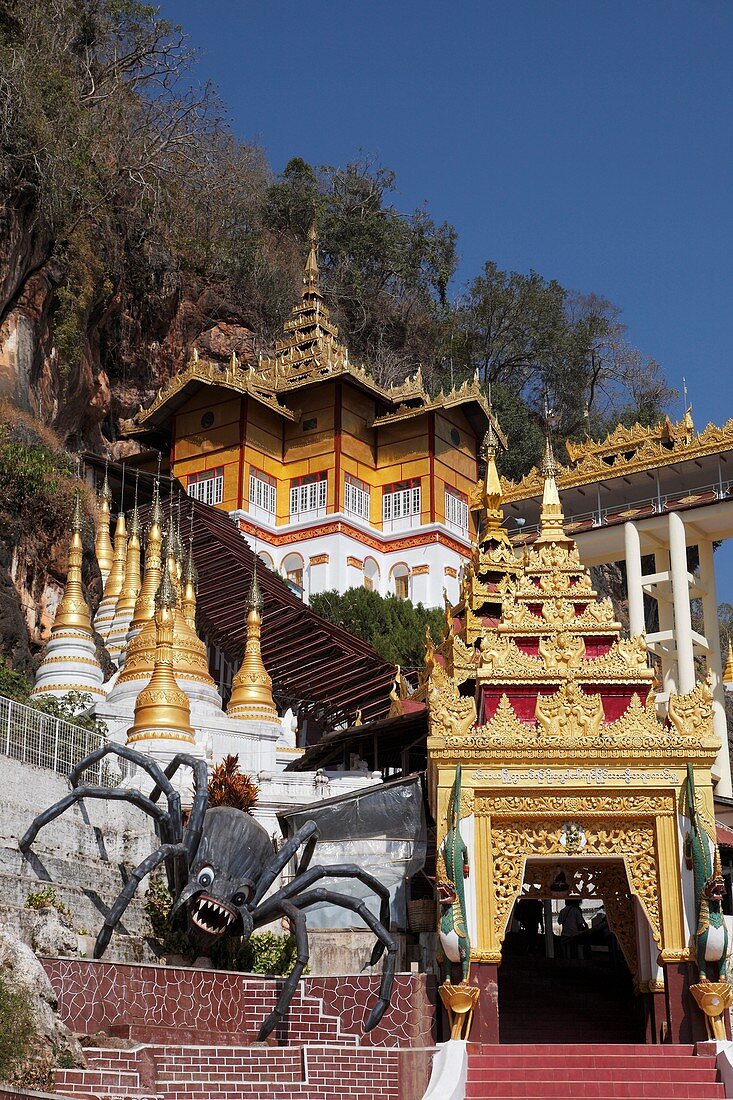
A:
(309, 499)
(262, 496)
(209, 490)
(456, 512)
(401, 509)
(356, 497)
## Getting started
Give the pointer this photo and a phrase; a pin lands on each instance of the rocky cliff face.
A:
(129, 343)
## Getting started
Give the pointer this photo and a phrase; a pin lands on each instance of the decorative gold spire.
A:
(728, 670)
(490, 526)
(162, 709)
(103, 543)
(252, 686)
(552, 519)
(113, 587)
(131, 582)
(310, 274)
(145, 603)
(73, 611)
(188, 598)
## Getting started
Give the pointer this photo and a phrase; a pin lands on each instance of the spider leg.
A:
(166, 851)
(172, 835)
(321, 893)
(298, 923)
(345, 870)
(195, 826)
(161, 816)
(308, 835)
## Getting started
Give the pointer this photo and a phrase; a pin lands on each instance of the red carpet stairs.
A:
(600, 1071)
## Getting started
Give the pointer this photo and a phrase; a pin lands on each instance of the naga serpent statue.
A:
(453, 930)
(703, 857)
(220, 867)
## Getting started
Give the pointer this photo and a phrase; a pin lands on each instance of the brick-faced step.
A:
(628, 1072)
(597, 1090)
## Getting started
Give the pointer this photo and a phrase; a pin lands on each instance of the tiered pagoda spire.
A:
(117, 637)
(70, 662)
(145, 602)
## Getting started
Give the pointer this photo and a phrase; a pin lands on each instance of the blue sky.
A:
(591, 141)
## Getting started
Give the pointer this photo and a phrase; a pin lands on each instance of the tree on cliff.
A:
(135, 222)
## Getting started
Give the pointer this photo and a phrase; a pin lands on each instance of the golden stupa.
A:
(162, 709)
(145, 602)
(251, 696)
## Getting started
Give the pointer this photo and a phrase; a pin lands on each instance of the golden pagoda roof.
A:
(308, 352)
(626, 451)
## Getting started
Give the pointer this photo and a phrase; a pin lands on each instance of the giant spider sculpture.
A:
(220, 867)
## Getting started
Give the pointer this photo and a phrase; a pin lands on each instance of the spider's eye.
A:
(206, 876)
(242, 896)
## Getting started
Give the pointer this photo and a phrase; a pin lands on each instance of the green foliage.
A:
(173, 940)
(46, 898)
(17, 1031)
(268, 953)
(74, 708)
(14, 685)
(34, 484)
(394, 627)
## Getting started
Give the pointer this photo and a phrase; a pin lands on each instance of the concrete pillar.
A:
(681, 602)
(666, 623)
(633, 579)
(712, 637)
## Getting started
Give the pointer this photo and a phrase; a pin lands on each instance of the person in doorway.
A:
(574, 927)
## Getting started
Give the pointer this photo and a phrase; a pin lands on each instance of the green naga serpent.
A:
(452, 931)
(703, 857)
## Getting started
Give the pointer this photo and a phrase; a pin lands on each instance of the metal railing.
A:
(657, 505)
(36, 738)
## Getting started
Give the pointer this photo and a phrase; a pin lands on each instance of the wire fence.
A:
(36, 738)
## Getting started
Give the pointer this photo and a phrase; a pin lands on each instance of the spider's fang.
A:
(211, 916)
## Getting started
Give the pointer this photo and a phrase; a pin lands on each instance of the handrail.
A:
(32, 737)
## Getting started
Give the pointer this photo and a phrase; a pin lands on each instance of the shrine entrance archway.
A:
(552, 987)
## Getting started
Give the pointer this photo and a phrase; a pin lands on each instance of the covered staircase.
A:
(601, 1071)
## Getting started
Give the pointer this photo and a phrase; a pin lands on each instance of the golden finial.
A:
(162, 709)
(73, 611)
(145, 603)
(132, 580)
(190, 580)
(252, 686)
(103, 543)
(116, 576)
(492, 517)
(310, 274)
(552, 519)
(728, 670)
(358, 721)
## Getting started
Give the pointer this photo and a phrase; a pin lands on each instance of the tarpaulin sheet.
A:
(381, 830)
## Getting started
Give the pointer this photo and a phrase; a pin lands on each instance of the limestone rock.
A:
(24, 974)
(51, 935)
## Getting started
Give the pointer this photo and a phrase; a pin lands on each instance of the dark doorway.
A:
(565, 989)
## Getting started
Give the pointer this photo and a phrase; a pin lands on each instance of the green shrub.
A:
(17, 1031)
(268, 953)
(46, 898)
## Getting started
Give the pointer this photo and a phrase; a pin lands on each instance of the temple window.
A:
(207, 485)
(401, 505)
(356, 497)
(292, 568)
(456, 510)
(371, 575)
(308, 496)
(401, 581)
(262, 495)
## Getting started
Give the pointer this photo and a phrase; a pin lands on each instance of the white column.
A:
(681, 601)
(633, 579)
(666, 623)
(712, 637)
